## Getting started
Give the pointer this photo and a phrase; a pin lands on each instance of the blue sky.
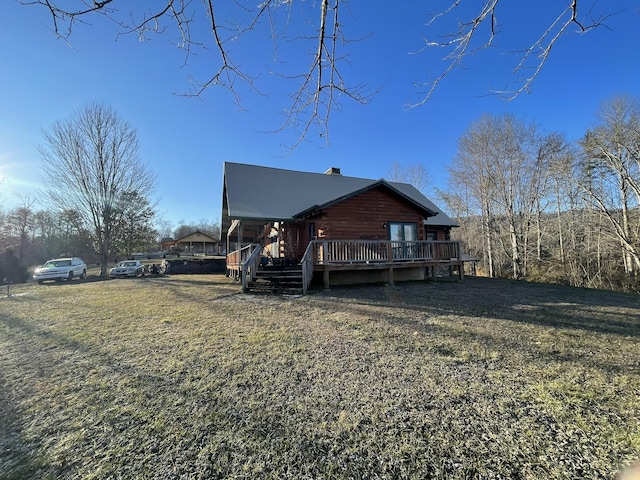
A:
(185, 141)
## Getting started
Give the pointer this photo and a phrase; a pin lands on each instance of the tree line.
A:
(97, 194)
(31, 235)
(533, 205)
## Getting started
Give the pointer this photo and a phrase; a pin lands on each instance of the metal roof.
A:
(256, 192)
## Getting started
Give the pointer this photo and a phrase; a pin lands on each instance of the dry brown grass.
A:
(185, 377)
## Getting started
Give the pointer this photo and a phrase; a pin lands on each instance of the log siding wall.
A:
(366, 216)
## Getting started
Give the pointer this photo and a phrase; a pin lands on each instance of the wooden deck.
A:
(328, 256)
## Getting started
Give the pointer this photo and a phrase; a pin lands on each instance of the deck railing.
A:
(243, 264)
(237, 258)
(327, 252)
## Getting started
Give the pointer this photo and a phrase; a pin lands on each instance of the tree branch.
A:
(459, 43)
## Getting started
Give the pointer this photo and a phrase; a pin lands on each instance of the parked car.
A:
(173, 250)
(128, 268)
(61, 269)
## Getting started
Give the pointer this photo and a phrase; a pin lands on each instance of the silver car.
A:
(61, 269)
(128, 268)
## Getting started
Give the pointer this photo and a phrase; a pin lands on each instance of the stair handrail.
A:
(250, 267)
(307, 267)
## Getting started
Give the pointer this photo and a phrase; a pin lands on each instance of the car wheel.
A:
(39, 282)
(70, 277)
(84, 274)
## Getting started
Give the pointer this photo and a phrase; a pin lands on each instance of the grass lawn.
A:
(186, 377)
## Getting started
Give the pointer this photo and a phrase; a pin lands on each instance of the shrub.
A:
(10, 268)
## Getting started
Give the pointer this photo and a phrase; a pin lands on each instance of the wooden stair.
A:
(286, 280)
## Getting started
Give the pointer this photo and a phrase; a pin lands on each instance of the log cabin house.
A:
(284, 228)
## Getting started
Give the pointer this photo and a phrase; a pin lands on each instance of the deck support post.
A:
(245, 288)
(325, 279)
(390, 275)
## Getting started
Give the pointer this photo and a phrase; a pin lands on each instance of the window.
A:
(403, 237)
(403, 232)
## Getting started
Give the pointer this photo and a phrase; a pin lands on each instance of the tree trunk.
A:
(486, 228)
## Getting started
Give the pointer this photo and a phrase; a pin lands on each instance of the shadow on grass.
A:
(536, 304)
(75, 281)
(181, 285)
(17, 460)
(558, 324)
(79, 372)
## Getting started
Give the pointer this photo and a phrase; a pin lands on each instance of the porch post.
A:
(390, 275)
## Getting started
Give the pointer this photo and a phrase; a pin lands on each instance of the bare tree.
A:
(21, 220)
(320, 82)
(133, 223)
(2, 180)
(164, 227)
(203, 226)
(470, 173)
(2, 218)
(416, 175)
(564, 214)
(553, 150)
(90, 161)
(563, 199)
(611, 172)
(480, 30)
(502, 165)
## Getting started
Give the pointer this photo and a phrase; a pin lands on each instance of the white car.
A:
(128, 268)
(61, 269)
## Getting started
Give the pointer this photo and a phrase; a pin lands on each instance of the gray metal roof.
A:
(441, 219)
(255, 192)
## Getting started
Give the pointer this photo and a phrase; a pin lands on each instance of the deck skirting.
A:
(423, 270)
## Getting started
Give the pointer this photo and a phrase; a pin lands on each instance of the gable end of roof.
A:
(374, 184)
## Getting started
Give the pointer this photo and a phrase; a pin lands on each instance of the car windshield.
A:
(127, 264)
(57, 263)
